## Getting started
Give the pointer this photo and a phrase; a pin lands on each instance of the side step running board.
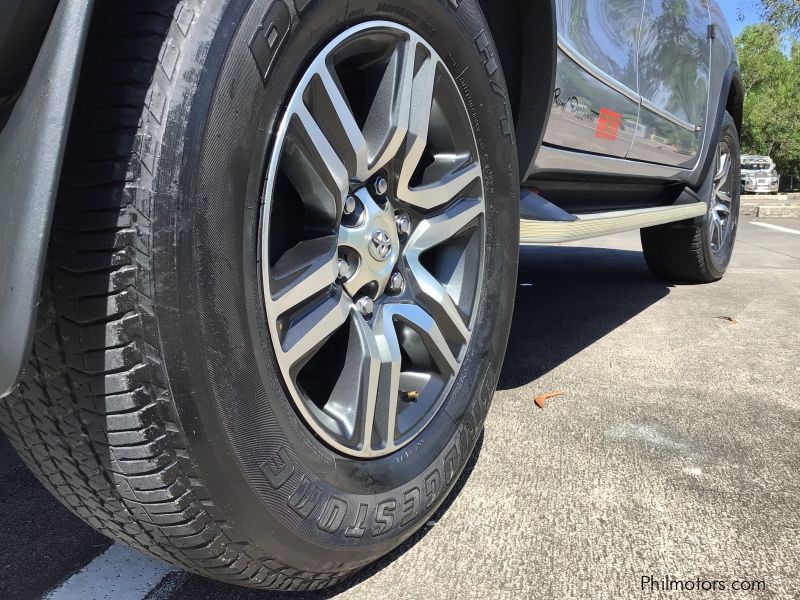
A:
(534, 231)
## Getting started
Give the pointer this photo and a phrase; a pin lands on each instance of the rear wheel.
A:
(699, 251)
(280, 284)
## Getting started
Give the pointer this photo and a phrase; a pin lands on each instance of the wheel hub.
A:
(372, 243)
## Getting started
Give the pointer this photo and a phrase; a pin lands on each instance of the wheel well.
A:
(524, 33)
(735, 102)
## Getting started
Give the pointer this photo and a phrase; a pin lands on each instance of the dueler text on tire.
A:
(280, 281)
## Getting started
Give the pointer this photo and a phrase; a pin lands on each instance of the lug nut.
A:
(344, 269)
(380, 186)
(403, 223)
(365, 306)
(349, 205)
(396, 283)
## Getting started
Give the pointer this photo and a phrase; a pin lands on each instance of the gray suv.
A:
(260, 256)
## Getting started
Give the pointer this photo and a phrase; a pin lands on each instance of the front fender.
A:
(725, 78)
(31, 151)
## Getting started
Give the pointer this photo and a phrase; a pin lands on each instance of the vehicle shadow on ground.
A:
(568, 298)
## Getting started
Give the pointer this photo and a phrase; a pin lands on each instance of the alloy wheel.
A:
(721, 217)
(372, 239)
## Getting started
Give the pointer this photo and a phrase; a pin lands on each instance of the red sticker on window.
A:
(608, 125)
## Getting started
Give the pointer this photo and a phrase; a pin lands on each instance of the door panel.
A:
(661, 140)
(604, 32)
(596, 104)
(673, 80)
(588, 114)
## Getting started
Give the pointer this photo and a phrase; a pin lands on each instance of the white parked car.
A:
(759, 175)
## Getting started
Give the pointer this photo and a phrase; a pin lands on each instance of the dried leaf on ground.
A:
(730, 320)
(542, 398)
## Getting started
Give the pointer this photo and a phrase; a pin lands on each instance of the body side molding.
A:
(560, 162)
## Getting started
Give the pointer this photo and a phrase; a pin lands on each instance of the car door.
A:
(596, 102)
(674, 56)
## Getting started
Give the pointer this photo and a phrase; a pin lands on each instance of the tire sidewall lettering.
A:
(372, 517)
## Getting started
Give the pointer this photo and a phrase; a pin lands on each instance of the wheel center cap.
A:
(380, 245)
(375, 240)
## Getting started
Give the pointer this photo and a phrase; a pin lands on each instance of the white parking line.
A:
(119, 573)
(776, 227)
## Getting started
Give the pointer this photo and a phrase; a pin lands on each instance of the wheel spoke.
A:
(720, 227)
(429, 234)
(447, 189)
(436, 297)
(436, 230)
(342, 123)
(370, 148)
(387, 121)
(303, 272)
(382, 366)
(311, 331)
(417, 140)
(306, 181)
(430, 195)
(383, 389)
(428, 329)
(351, 405)
(716, 230)
(722, 208)
(723, 166)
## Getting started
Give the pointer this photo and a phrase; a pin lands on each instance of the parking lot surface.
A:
(673, 451)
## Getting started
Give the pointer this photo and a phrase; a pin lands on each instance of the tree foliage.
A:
(783, 15)
(772, 102)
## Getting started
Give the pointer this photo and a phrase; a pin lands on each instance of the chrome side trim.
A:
(557, 161)
(597, 224)
(587, 66)
(646, 104)
(619, 87)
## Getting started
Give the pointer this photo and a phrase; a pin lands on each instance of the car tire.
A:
(155, 405)
(700, 250)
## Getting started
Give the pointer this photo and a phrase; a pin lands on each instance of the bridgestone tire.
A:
(151, 406)
(682, 252)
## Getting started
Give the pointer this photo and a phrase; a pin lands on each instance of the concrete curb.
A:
(779, 205)
(786, 210)
(774, 210)
(770, 199)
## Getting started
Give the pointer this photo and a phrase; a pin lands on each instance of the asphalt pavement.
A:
(673, 451)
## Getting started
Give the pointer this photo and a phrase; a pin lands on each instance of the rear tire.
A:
(153, 405)
(699, 251)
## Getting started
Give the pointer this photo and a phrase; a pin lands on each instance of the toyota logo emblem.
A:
(380, 245)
